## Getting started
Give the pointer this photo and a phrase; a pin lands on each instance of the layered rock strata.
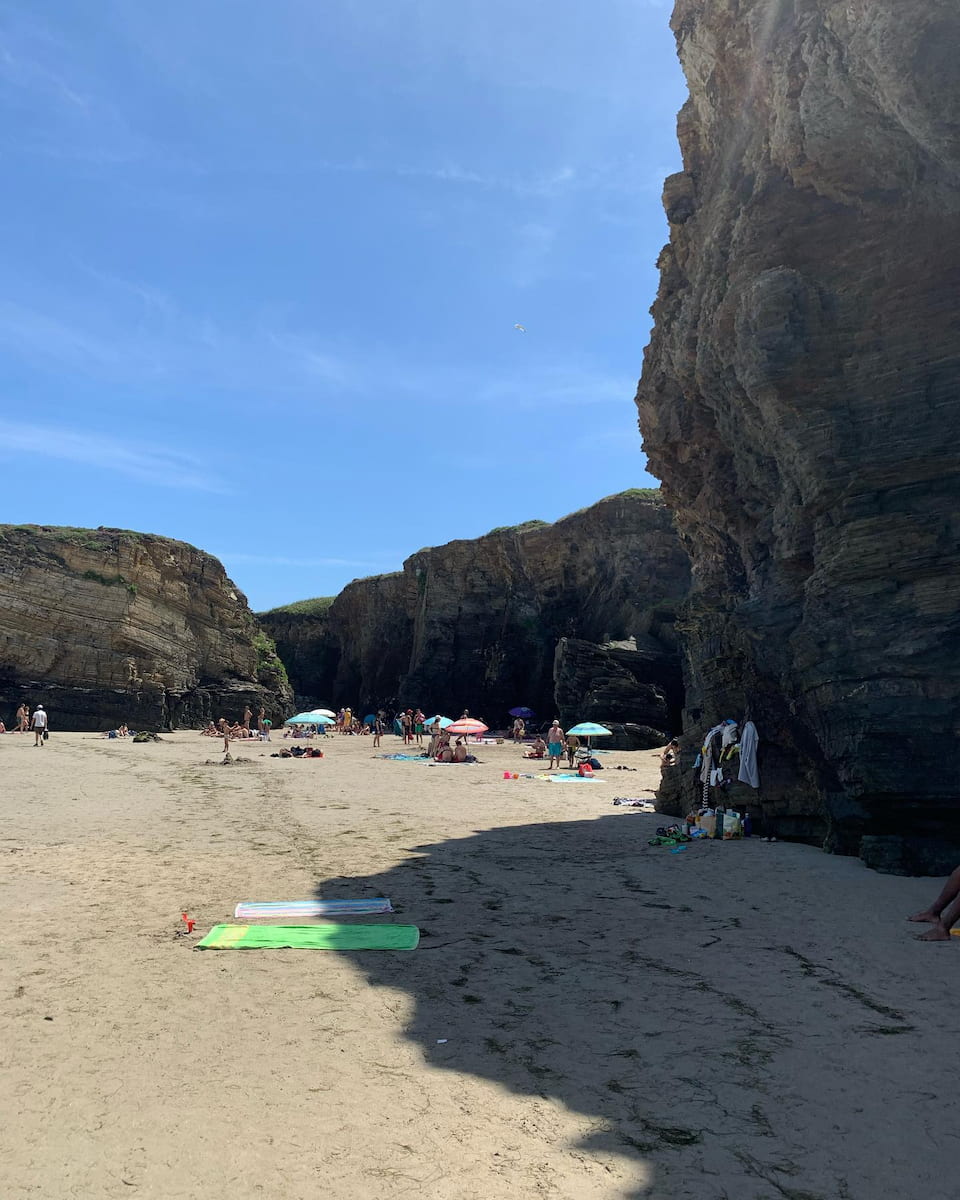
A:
(106, 626)
(476, 623)
(800, 400)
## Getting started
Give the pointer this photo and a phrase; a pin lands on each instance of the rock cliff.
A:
(800, 400)
(103, 626)
(476, 623)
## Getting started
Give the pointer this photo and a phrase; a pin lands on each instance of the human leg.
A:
(951, 890)
(940, 932)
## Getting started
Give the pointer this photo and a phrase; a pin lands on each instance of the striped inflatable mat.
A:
(311, 937)
(249, 910)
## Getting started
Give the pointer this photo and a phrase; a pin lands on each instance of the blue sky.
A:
(263, 263)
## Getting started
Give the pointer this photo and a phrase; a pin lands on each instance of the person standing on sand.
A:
(573, 745)
(22, 717)
(39, 724)
(554, 744)
(260, 716)
(247, 717)
(519, 730)
(377, 729)
(943, 914)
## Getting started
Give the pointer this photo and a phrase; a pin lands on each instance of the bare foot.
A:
(936, 934)
(927, 916)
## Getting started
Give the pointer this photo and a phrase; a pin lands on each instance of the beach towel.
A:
(311, 937)
(403, 757)
(252, 909)
(568, 779)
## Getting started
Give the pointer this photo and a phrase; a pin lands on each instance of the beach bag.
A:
(585, 770)
(46, 734)
(708, 823)
(732, 827)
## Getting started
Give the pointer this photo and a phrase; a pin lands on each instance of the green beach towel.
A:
(311, 937)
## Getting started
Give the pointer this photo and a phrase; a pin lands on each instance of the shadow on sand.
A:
(536, 962)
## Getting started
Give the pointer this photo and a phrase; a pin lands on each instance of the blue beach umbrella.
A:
(309, 718)
(444, 721)
(522, 711)
(589, 729)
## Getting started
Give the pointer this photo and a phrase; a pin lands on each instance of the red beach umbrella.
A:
(468, 726)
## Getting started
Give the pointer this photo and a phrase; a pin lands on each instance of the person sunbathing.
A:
(537, 750)
(943, 914)
(460, 751)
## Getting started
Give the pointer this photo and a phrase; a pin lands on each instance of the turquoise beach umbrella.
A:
(309, 718)
(590, 729)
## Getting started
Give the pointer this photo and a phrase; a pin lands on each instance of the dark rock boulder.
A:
(640, 686)
(800, 400)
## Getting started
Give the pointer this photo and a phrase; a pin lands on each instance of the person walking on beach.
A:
(943, 914)
(519, 730)
(23, 716)
(554, 744)
(39, 724)
(377, 728)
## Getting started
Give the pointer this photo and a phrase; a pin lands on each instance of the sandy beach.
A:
(586, 1016)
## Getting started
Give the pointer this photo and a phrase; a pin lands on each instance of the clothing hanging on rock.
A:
(748, 772)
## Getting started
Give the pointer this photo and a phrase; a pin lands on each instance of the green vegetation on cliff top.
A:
(317, 607)
(521, 528)
(85, 537)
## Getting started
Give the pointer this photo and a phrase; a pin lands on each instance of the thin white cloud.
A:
(155, 465)
(154, 342)
(558, 386)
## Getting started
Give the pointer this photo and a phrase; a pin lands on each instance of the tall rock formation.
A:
(800, 400)
(477, 623)
(103, 626)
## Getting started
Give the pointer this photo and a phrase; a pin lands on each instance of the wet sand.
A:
(586, 1016)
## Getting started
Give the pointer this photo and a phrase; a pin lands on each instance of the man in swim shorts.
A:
(39, 724)
(554, 744)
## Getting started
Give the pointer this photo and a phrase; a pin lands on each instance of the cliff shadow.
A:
(547, 962)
